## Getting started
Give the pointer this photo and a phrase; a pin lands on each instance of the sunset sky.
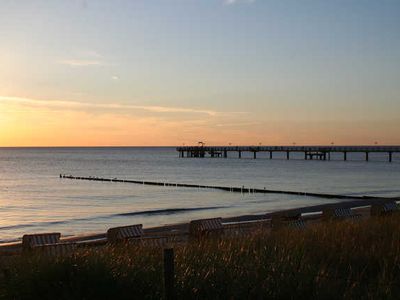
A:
(173, 72)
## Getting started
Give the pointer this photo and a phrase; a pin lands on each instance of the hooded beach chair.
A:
(29, 241)
(205, 227)
(125, 233)
(56, 250)
(288, 219)
(384, 209)
(339, 214)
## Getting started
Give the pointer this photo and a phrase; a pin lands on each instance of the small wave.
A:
(167, 211)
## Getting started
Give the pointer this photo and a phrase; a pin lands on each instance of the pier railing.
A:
(310, 152)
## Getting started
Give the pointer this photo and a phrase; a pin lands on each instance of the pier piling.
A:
(310, 152)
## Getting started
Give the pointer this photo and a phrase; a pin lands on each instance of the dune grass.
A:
(327, 261)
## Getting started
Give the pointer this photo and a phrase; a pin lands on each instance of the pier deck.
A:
(310, 152)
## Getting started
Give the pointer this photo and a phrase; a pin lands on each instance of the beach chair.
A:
(56, 250)
(289, 219)
(206, 227)
(339, 214)
(30, 241)
(125, 233)
(384, 209)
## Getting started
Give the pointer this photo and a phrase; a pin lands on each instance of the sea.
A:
(33, 197)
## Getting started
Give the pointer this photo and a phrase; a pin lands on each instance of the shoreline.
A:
(308, 212)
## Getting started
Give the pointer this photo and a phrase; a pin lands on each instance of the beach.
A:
(324, 260)
(35, 199)
(239, 225)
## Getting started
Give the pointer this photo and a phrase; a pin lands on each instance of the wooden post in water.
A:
(366, 156)
(287, 154)
(270, 154)
(255, 154)
(345, 155)
(169, 274)
(240, 154)
(390, 156)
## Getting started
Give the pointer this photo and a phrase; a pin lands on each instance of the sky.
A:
(174, 72)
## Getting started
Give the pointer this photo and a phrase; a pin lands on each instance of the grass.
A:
(344, 260)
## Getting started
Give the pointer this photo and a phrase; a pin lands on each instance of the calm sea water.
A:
(34, 199)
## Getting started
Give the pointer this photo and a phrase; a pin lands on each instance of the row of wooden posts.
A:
(242, 189)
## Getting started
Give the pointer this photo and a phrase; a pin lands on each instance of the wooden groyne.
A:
(310, 152)
(224, 188)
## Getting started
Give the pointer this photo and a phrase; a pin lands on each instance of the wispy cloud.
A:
(60, 104)
(81, 63)
(85, 58)
(238, 124)
(230, 2)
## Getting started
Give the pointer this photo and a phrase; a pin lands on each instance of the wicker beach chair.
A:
(384, 209)
(206, 227)
(30, 241)
(125, 233)
(339, 214)
(56, 250)
(288, 219)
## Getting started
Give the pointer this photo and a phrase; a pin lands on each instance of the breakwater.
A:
(223, 188)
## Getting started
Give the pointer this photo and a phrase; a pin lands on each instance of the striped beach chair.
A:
(125, 233)
(339, 214)
(204, 227)
(289, 219)
(30, 241)
(56, 250)
(384, 209)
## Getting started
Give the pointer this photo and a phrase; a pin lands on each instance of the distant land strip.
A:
(228, 189)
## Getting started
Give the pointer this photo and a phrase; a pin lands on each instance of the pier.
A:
(310, 152)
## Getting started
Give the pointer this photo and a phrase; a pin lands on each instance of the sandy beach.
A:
(245, 223)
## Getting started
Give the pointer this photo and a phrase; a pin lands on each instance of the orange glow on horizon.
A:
(28, 125)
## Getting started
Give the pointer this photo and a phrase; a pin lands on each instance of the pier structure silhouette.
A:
(310, 152)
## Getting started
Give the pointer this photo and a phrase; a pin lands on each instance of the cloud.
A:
(86, 58)
(230, 2)
(60, 104)
(115, 77)
(238, 124)
(81, 63)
